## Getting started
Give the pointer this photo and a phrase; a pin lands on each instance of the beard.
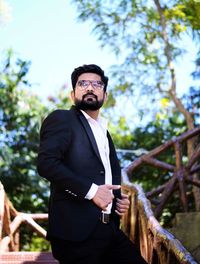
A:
(89, 102)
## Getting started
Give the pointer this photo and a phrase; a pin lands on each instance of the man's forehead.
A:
(89, 76)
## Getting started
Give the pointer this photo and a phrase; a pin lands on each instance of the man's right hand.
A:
(104, 196)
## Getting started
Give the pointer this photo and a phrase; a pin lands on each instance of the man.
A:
(78, 157)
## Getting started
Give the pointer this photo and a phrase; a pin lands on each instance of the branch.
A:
(167, 49)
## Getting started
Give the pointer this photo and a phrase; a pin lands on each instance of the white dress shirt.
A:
(99, 129)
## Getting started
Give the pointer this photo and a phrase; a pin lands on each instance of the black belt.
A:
(105, 218)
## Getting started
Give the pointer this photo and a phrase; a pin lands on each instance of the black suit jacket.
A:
(69, 158)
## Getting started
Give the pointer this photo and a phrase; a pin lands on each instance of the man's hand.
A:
(104, 196)
(122, 204)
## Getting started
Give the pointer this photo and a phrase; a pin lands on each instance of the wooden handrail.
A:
(157, 245)
(182, 174)
(11, 220)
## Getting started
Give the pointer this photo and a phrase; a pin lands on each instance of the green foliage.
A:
(147, 37)
(62, 100)
(20, 116)
(32, 242)
(191, 9)
(20, 119)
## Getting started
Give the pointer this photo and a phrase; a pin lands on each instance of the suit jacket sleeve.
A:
(55, 138)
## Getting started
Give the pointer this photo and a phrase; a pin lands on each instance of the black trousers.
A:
(107, 244)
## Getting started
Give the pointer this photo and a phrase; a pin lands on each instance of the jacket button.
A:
(102, 172)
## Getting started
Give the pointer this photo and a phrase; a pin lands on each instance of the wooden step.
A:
(27, 258)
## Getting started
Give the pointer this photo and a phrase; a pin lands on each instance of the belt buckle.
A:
(105, 218)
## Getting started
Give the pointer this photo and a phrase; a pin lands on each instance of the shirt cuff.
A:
(92, 191)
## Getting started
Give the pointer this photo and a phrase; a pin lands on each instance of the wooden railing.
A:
(10, 221)
(140, 223)
(183, 174)
(157, 245)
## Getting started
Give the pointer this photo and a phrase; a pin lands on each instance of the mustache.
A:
(89, 93)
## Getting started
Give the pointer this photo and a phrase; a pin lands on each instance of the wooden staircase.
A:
(27, 258)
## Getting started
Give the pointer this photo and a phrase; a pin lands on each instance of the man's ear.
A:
(105, 96)
(72, 95)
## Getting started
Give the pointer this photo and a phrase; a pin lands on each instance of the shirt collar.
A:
(101, 120)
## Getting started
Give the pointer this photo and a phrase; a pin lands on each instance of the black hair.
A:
(86, 68)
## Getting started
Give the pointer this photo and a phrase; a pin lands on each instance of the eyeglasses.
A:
(97, 85)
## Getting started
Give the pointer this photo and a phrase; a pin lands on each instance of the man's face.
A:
(89, 92)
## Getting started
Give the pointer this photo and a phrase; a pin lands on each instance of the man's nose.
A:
(90, 87)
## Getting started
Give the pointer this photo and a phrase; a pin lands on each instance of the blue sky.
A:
(46, 33)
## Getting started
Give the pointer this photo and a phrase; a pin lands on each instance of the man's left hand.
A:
(122, 204)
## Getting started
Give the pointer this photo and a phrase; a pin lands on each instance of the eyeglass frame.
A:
(91, 82)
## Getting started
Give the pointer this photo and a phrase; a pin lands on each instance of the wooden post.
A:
(180, 176)
(16, 240)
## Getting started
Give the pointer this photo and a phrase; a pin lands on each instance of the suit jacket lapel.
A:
(89, 132)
